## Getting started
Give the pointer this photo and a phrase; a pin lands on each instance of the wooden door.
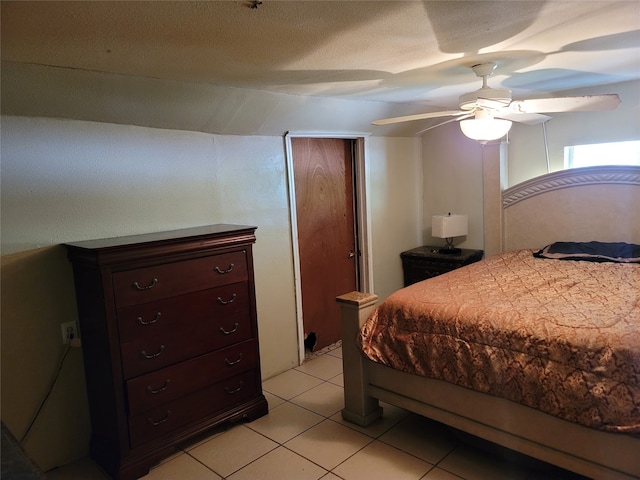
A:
(323, 176)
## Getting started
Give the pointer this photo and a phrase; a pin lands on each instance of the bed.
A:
(501, 386)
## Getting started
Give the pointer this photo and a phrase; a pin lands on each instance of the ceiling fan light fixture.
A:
(485, 129)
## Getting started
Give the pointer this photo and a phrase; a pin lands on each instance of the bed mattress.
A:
(559, 336)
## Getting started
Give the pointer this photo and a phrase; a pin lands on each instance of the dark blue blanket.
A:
(592, 251)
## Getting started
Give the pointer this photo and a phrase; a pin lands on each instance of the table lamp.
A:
(447, 227)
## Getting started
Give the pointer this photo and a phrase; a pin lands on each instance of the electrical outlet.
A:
(69, 331)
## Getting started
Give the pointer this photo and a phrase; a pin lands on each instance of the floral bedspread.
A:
(559, 336)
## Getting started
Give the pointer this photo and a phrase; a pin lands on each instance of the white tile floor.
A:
(304, 437)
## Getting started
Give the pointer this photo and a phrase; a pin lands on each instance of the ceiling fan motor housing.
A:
(501, 97)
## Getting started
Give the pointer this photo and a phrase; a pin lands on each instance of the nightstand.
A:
(425, 262)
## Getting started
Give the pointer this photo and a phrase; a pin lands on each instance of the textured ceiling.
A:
(410, 52)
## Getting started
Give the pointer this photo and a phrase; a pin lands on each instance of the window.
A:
(619, 153)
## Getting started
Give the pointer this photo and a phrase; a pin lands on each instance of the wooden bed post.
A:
(359, 408)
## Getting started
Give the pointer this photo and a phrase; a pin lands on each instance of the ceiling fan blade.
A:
(462, 117)
(418, 116)
(566, 104)
(526, 118)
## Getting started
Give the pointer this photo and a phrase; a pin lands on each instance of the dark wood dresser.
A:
(425, 262)
(169, 338)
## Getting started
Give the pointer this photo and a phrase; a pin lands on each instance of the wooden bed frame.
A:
(596, 203)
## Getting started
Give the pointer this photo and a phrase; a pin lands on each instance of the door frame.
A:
(362, 214)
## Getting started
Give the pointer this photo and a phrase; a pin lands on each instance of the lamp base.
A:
(449, 249)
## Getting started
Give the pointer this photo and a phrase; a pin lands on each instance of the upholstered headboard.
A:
(581, 204)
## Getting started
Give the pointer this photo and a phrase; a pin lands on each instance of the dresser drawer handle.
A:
(150, 322)
(235, 362)
(159, 390)
(146, 287)
(217, 269)
(233, 392)
(155, 423)
(229, 332)
(227, 302)
(153, 355)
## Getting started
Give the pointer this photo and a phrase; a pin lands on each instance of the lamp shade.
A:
(448, 226)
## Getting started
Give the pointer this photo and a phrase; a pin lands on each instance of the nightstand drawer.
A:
(171, 416)
(422, 272)
(167, 384)
(143, 285)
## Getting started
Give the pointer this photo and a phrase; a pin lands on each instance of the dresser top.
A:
(119, 250)
(220, 229)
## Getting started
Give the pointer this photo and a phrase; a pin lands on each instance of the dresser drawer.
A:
(223, 311)
(162, 333)
(178, 380)
(173, 415)
(148, 354)
(143, 285)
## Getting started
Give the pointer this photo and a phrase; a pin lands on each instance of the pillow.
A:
(618, 252)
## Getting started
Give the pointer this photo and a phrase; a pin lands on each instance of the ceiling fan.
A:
(493, 109)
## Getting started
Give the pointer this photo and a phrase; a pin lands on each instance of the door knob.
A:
(352, 254)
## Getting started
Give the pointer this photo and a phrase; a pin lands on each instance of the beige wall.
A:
(66, 180)
(37, 295)
(453, 182)
(396, 200)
